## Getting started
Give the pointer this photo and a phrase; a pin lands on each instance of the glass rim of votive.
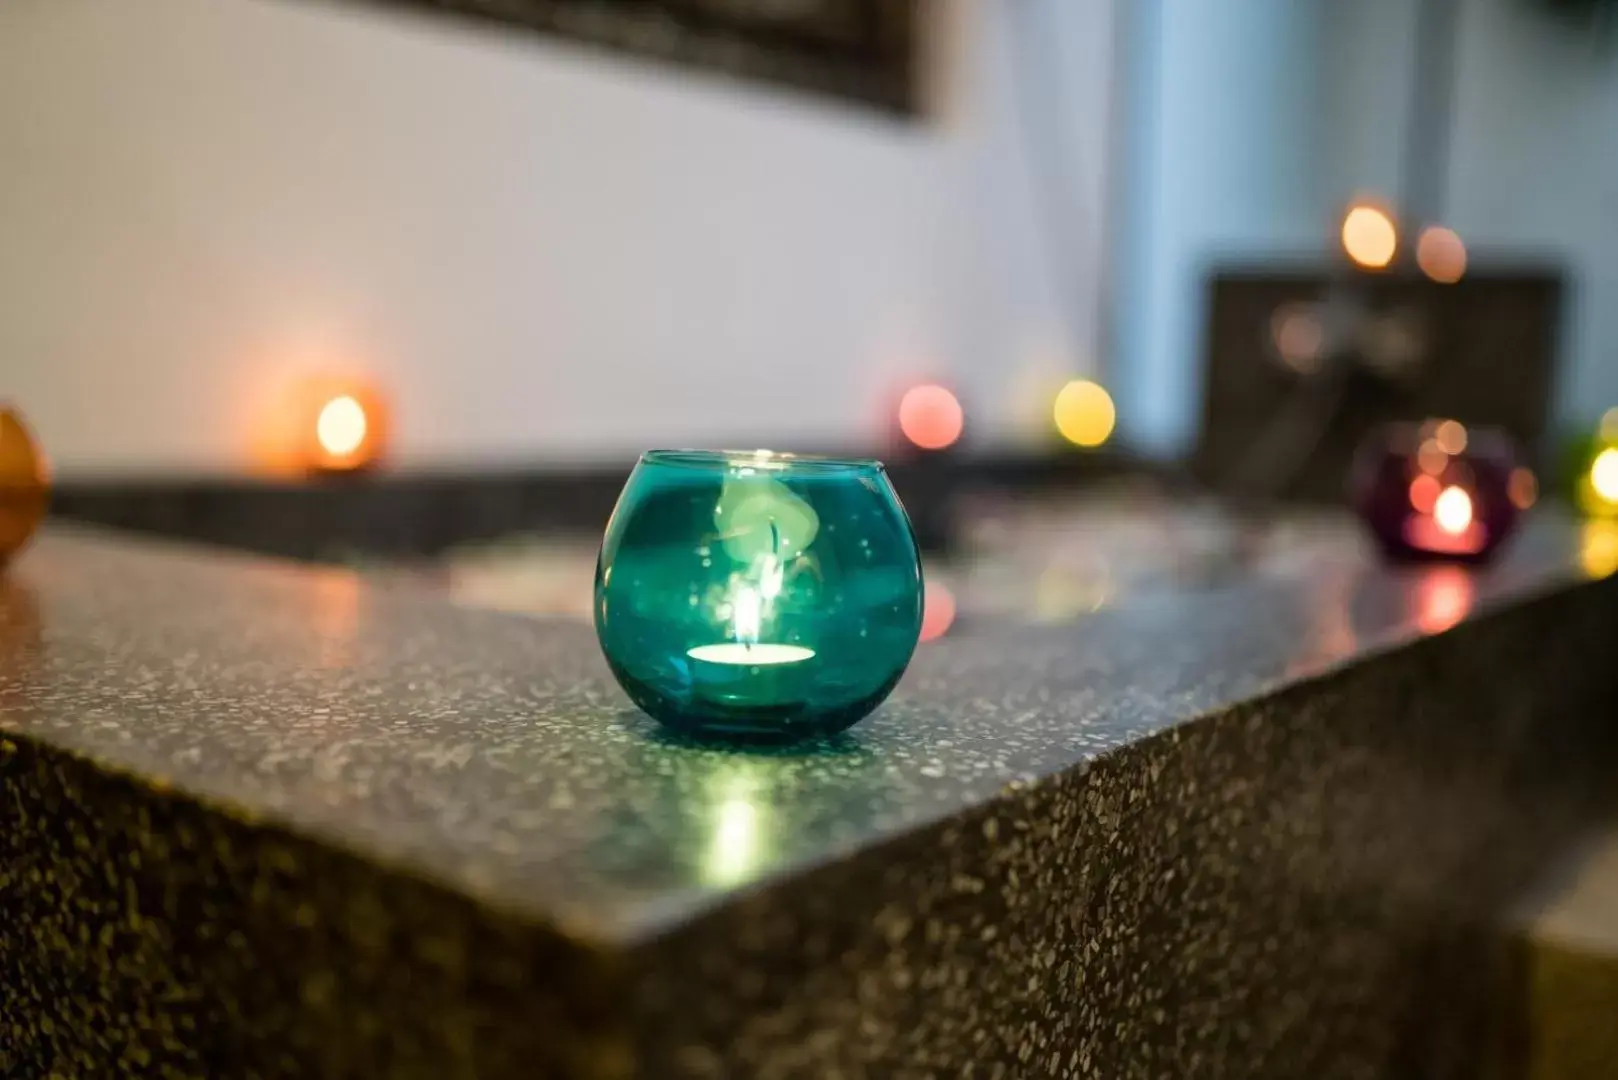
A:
(708, 460)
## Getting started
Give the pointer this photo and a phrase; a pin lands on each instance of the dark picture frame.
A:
(859, 51)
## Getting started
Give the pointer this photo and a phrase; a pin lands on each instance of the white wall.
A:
(1534, 153)
(536, 251)
(1223, 160)
(1535, 171)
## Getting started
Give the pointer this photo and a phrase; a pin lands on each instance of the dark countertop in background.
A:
(489, 763)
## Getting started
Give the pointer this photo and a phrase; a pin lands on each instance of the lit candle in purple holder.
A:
(1440, 491)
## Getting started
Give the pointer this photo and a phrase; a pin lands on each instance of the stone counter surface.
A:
(259, 819)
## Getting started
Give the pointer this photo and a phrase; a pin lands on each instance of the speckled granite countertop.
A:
(270, 820)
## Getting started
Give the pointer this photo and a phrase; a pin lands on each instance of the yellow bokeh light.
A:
(1441, 255)
(1453, 510)
(1369, 236)
(1604, 474)
(1084, 413)
(1598, 549)
(1609, 424)
(341, 426)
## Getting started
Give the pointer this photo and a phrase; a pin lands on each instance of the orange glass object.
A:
(24, 487)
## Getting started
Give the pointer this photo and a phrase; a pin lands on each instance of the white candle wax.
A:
(743, 654)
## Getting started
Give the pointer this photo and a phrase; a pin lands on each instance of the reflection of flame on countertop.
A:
(22, 632)
(1443, 597)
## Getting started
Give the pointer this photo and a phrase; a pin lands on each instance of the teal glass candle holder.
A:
(757, 596)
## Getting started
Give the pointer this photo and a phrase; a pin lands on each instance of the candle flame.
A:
(1453, 510)
(747, 613)
(341, 426)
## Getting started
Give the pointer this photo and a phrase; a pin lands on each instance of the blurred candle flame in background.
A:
(1450, 436)
(1424, 491)
(1441, 254)
(1452, 510)
(1369, 236)
(1596, 489)
(341, 426)
(1604, 474)
(1431, 458)
(931, 417)
(322, 423)
(348, 429)
(1084, 413)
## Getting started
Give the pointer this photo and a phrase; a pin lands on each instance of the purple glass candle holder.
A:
(1439, 491)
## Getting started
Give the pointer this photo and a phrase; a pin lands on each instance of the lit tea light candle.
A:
(341, 426)
(745, 654)
(1448, 527)
(757, 596)
(322, 424)
(1439, 491)
(749, 608)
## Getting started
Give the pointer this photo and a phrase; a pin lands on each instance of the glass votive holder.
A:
(24, 484)
(1438, 491)
(757, 596)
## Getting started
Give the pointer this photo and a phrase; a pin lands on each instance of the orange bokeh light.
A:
(342, 425)
(320, 423)
(1522, 488)
(930, 416)
(1369, 236)
(1450, 436)
(1441, 254)
(1431, 458)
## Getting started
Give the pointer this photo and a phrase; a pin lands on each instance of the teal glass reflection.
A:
(757, 596)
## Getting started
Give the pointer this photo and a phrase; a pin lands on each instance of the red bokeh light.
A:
(937, 612)
(1424, 491)
(930, 416)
